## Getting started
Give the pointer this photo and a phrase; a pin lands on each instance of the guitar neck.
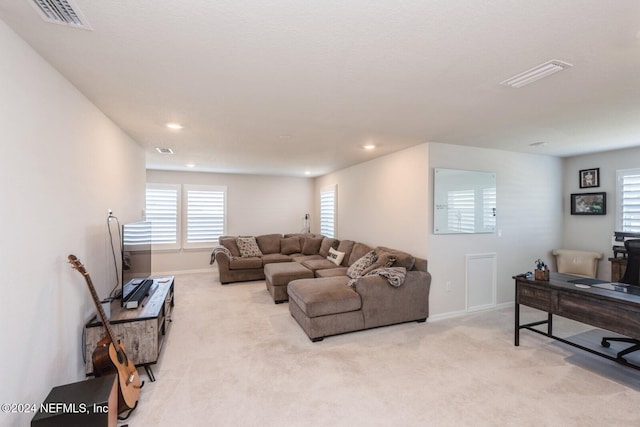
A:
(101, 313)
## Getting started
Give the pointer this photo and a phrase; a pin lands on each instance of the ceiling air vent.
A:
(536, 73)
(162, 150)
(63, 12)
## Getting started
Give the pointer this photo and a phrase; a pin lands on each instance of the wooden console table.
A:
(608, 309)
(142, 330)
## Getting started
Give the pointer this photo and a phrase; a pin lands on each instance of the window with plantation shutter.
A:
(205, 215)
(628, 201)
(328, 211)
(162, 211)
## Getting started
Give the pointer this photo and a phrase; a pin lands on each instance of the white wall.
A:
(63, 164)
(529, 221)
(588, 232)
(388, 201)
(255, 205)
(383, 201)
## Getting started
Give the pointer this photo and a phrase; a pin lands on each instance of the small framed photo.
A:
(590, 178)
(589, 204)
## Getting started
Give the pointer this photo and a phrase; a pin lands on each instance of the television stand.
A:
(141, 330)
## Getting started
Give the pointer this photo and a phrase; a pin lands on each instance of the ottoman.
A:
(278, 276)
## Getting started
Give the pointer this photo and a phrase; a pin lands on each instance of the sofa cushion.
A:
(322, 297)
(311, 245)
(230, 243)
(327, 243)
(248, 247)
(318, 264)
(243, 263)
(359, 250)
(332, 272)
(302, 258)
(403, 259)
(269, 243)
(273, 258)
(335, 256)
(356, 269)
(290, 245)
(345, 246)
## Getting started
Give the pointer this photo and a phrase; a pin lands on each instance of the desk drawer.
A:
(533, 296)
(600, 313)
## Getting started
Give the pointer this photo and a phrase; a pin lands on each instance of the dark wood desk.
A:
(607, 309)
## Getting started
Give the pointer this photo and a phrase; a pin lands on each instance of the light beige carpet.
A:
(234, 358)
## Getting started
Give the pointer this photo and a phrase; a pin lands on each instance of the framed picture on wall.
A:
(590, 178)
(589, 204)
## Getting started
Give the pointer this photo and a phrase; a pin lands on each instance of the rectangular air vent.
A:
(63, 12)
(536, 73)
(164, 150)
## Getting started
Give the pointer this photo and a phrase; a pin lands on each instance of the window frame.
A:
(165, 246)
(185, 215)
(333, 189)
(620, 211)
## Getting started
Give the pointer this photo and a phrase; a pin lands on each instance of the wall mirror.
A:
(464, 201)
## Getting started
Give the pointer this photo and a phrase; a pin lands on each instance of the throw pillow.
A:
(327, 243)
(230, 243)
(311, 245)
(335, 256)
(356, 269)
(248, 247)
(290, 245)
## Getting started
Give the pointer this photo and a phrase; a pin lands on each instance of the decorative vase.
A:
(541, 274)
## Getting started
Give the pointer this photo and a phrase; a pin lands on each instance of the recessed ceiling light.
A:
(164, 150)
(536, 73)
(191, 165)
(176, 126)
(307, 172)
(369, 147)
(538, 144)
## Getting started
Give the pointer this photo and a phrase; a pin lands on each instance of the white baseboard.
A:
(175, 273)
(461, 313)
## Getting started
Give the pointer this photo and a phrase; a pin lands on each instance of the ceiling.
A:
(288, 87)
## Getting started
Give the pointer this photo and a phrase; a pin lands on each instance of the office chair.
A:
(631, 277)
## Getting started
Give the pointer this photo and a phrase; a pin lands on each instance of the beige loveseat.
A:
(369, 287)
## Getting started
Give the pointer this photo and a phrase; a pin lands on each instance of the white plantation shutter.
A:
(205, 215)
(162, 210)
(628, 202)
(328, 211)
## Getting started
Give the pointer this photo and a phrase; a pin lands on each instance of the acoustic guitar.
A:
(109, 357)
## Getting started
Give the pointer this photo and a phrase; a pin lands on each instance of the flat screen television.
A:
(136, 256)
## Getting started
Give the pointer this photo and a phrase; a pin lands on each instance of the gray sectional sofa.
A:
(368, 287)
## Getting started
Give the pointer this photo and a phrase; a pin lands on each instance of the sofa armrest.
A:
(220, 254)
(383, 304)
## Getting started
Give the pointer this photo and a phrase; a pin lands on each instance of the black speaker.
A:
(90, 403)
